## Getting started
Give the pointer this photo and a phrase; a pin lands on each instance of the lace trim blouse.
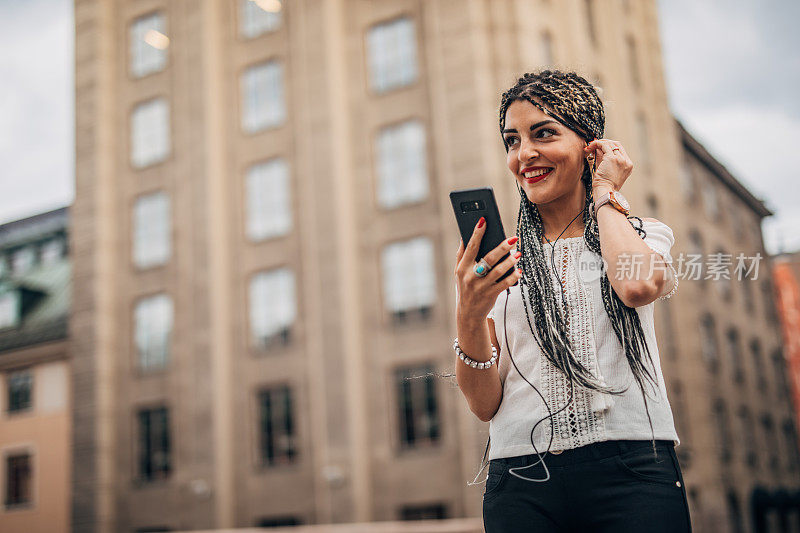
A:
(591, 416)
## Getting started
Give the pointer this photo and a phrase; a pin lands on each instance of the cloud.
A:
(732, 73)
(36, 117)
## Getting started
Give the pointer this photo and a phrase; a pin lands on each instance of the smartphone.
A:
(469, 205)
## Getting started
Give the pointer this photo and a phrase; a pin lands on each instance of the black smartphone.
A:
(469, 205)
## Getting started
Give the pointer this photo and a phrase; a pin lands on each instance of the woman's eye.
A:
(552, 132)
(510, 141)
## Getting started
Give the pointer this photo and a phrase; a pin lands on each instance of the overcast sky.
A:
(732, 70)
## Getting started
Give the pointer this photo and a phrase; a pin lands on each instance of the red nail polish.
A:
(516, 255)
(481, 221)
(512, 240)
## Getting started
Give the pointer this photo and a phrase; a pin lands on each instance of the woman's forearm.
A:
(633, 267)
(481, 387)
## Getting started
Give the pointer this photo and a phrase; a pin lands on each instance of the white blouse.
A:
(592, 416)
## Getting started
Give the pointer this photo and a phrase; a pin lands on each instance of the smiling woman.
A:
(581, 338)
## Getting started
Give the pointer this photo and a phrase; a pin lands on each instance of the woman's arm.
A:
(481, 387)
(637, 274)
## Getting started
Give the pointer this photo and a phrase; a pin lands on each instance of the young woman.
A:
(574, 447)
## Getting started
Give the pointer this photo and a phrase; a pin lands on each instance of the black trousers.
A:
(612, 486)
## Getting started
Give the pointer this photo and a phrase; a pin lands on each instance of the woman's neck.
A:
(562, 214)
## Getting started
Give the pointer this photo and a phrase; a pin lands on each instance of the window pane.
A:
(263, 103)
(23, 260)
(392, 54)
(276, 423)
(53, 250)
(268, 200)
(151, 230)
(150, 140)
(148, 45)
(154, 444)
(9, 309)
(20, 387)
(402, 165)
(418, 406)
(273, 306)
(18, 479)
(408, 274)
(257, 17)
(153, 327)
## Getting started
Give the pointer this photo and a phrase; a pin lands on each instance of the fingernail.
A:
(517, 255)
(512, 240)
(481, 221)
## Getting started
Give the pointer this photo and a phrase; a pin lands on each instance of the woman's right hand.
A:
(477, 295)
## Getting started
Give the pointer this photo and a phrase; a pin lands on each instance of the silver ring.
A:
(481, 268)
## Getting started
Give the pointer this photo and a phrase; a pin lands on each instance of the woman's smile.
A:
(536, 174)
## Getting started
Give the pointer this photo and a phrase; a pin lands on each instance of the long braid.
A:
(577, 107)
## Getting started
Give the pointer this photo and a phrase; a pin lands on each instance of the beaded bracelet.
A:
(471, 362)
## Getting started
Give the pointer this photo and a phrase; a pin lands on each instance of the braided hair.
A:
(572, 101)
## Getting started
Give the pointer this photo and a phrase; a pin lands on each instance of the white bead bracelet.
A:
(471, 362)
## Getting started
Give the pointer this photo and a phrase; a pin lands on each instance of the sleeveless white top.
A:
(591, 416)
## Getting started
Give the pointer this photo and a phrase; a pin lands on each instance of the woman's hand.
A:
(476, 295)
(612, 165)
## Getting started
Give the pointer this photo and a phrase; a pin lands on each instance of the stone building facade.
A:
(264, 246)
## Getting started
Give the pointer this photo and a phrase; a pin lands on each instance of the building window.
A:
(280, 521)
(154, 444)
(758, 363)
(734, 513)
(723, 430)
(708, 339)
(418, 407)
(409, 278)
(790, 439)
(696, 248)
(735, 350)
(710, 200)
(633, 62)
(53, 250)
(20, 391)
(19, 480)
(748, 436)
(9, 309)
(263, 104)
(402, 165)
(747, 292)
(153, 326)
(257, 17)
(687, 179)
(273, 307)
(718, 270)
(434, 511)
(772, 440)
(23, 260)
(150, 138)
(148, 45)
(276, 426)
(392, 52)
(781, 369)
(268, 200)
(152, 230)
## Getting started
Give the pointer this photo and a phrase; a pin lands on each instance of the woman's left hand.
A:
(612, 165)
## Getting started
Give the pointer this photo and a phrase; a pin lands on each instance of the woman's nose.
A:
(527, 152)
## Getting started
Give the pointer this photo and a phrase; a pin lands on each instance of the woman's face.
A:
(538, 143)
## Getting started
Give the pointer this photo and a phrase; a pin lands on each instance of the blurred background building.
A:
(263, 250)
(35, 407)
